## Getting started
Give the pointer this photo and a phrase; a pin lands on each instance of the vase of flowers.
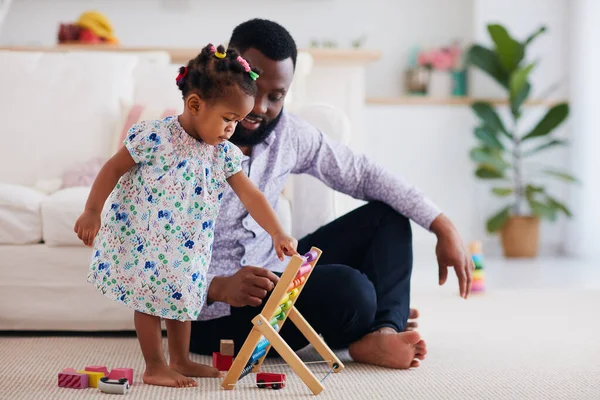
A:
(440, 63)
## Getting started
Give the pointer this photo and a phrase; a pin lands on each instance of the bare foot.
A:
(388, 348)
(190, 368)
(164, 376)
(412, 325)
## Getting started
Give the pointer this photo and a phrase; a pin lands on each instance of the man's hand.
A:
(247, 287)
(451, 252)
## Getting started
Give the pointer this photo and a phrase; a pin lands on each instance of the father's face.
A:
(273, 84)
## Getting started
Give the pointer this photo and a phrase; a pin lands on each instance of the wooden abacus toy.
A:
(267, 324)
(478, 284)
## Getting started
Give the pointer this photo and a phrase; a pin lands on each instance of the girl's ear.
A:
(194, 104)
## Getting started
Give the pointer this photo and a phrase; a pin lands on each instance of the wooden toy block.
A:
(93, 377)
(227, 347)
(97, 368)
(72, 380)
(72, 370)
(120, 373)
(222, 362)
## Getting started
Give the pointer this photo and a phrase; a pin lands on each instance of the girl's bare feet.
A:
(388, 348)
(190, 368)
(162, 375)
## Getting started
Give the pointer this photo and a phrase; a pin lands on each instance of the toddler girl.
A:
(153, 247)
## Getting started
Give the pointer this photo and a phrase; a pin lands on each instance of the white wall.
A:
(393, 26)
(585, 58)
(429, 147)
(521, 18)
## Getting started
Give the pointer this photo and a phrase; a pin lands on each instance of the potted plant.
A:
(503, 147)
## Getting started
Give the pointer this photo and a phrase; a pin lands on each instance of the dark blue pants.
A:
(360, 284)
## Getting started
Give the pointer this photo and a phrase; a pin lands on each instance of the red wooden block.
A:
(119, 373)
(72, 380)
(73, 370)
(221, 362)
(97, 368)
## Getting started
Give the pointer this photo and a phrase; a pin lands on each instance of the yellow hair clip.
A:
(220, 55)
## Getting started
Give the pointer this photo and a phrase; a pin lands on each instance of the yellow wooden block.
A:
(93, 377)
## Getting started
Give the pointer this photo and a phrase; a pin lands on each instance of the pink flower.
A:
(425, 59)
(443, 60)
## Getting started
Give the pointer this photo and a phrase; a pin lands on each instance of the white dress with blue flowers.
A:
(155, 243)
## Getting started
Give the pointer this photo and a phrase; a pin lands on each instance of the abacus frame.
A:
(263, 327)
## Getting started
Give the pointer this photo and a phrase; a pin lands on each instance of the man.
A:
(358, 295)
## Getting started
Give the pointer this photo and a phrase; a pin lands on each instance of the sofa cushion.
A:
(59, 109)
(20, 217)
(155, 86)
(59, 213)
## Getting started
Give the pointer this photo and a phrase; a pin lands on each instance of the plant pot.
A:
(520, 237)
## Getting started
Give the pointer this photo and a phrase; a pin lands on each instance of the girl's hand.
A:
(284, 244)
(87, 227)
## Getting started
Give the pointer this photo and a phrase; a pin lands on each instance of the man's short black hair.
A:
(268, 37)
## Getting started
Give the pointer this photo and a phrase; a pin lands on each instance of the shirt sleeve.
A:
(233, 159)
(143, 142)
(355, 175)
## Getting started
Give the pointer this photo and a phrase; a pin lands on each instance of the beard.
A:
(244, 137)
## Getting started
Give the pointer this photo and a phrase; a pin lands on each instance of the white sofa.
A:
(60, 110)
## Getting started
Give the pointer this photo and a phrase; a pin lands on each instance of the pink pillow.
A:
(82, 174)
(132, 114)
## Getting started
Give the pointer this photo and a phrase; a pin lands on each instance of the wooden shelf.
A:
(450, 101)
(182, 55)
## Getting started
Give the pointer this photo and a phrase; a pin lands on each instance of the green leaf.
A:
(489, 157)
(486, 112)
(486, 172)
(531, 190)
(552, 143)
(557, 205)
(487, 61)
(496, 222)
(542, 210)
(502, 192)
(561, 175)
(518, 81)
(488, 137)
(535, 34)
(553, 118)
(517, 101)
(509, 50)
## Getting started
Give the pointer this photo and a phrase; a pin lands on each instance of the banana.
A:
(97, 23)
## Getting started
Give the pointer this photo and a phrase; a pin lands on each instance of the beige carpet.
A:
(503, 345)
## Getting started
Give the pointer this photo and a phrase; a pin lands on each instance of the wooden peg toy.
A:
(478, 283)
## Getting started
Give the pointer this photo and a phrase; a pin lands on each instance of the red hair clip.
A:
(181, 75)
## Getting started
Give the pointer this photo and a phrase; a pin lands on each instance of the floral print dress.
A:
(155, 243)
